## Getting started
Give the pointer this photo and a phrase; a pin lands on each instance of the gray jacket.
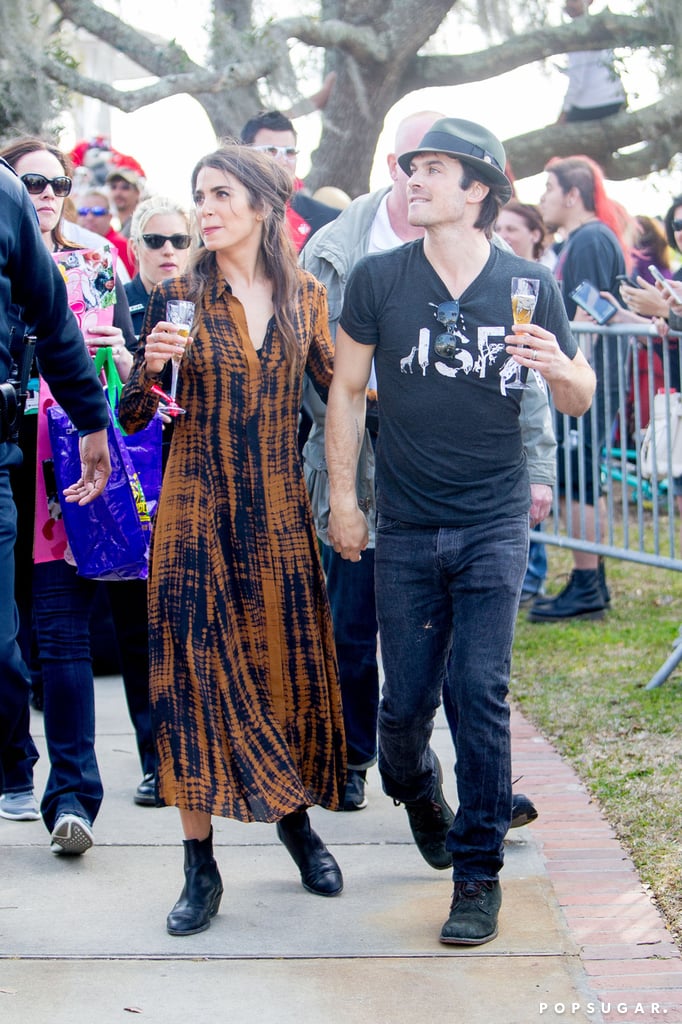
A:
(330, 255)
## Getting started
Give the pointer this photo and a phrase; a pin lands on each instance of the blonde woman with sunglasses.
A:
(160, 240)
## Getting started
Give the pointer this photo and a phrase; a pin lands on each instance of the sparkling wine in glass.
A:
(524, 297)
(181, 313)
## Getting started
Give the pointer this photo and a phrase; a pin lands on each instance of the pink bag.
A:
(49, 534)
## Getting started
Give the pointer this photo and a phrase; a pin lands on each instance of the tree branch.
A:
(604, 141)
(170, 85)
(361, 42)
(158, 58)
(606, 31)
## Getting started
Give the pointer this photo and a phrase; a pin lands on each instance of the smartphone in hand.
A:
(629, 281)
(587, 296)
(663, 281)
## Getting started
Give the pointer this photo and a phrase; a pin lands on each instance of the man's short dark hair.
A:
(273, 120)
(491, 205)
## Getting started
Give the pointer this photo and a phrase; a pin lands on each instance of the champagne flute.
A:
(179, 312)
(524, 297)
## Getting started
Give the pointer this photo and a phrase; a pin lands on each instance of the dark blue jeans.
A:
(350, 586)
(536, 573)
(16, 746)
(62, 603)
(447, 601)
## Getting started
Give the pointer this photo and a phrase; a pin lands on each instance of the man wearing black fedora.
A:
(453, 495)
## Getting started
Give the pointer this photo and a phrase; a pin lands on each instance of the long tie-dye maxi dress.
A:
(245, 698)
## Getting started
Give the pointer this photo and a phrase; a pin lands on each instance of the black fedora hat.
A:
(472, 144)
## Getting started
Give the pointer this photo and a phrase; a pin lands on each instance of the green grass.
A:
(582, 684)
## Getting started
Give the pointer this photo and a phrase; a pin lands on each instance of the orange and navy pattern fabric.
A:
(244, 689)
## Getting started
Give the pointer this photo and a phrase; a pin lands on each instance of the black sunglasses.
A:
(158, 241)
(677, 225)
(37, 183)
(447, 314)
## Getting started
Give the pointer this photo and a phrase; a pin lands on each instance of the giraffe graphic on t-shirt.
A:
(406, 361)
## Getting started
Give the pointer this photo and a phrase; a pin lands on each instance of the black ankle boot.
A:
(202, 891)
(582, 597)
(320, 874)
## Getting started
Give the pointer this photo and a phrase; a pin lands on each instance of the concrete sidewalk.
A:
(83, 940)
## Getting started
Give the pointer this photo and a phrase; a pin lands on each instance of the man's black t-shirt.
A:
(590, 253)
(449, 451)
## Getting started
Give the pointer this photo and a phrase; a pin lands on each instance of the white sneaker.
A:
(19, 806)
(71, 835)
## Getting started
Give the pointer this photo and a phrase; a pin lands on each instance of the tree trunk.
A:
(353, 122)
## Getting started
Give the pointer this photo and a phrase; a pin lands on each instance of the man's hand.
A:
(540, 503)
(572, 381)
(95, 469)
(348, 533)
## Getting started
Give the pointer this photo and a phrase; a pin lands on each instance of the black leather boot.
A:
(582, 597)
(523, 810)
(320, 874)
(202, 891)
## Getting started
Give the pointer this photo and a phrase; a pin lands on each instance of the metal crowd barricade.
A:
(638, 519)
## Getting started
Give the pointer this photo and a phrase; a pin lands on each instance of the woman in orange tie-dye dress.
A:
(245, 698)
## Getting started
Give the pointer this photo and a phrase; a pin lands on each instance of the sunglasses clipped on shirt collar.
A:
(447, 314)
(37, 183)
(158, 241)
(275, 151)
(96, 211)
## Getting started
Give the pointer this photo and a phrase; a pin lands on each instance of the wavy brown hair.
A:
(651, 241)
(532, 218)
(14, 151)
(268, 187)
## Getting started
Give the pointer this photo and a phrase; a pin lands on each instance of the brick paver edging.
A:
(634, 965)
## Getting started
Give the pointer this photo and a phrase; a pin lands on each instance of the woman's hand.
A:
(676, 297)
(581, 316)
(163, 343)
(662, 326)
(104, 336)
(647, 301)
(624, 316)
